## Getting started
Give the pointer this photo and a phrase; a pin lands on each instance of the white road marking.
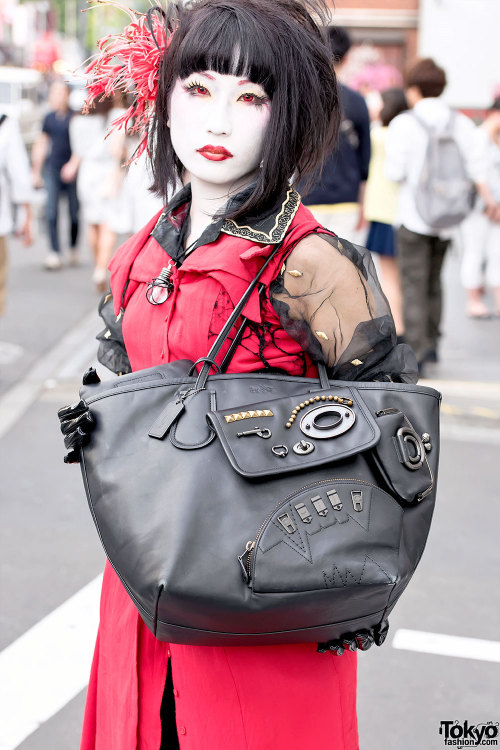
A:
(464, 388)
(47, 666)
(447, 645)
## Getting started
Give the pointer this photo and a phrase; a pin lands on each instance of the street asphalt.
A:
(50, 549)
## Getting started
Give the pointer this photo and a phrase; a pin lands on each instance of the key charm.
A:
(262, 432)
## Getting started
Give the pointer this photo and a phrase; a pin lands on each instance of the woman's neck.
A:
(207, 200)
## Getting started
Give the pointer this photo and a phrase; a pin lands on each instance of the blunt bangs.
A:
(228, 44)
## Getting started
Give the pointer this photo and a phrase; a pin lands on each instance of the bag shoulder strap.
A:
(229, 325)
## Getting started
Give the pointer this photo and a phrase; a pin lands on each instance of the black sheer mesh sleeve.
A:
(328, 298)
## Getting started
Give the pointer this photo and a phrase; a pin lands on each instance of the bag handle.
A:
(237, 338)
(229, 325)
(209, 360)
(171, 412)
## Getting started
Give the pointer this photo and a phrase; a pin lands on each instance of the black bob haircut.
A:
(277, 45)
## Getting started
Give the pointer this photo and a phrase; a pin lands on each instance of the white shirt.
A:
(15, 175)
(405, 153)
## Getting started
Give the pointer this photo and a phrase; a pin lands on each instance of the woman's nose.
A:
(219, 119)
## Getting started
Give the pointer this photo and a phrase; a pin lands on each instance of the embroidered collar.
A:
(269, 229)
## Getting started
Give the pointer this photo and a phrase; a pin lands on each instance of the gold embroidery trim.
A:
(252, 414)
(289, 208)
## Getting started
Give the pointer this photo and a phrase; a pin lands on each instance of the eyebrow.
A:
(207, 75)
(245, 81)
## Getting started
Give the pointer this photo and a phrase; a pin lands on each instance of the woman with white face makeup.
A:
(237, 98)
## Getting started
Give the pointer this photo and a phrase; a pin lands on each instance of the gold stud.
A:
(330, 398)
(296, 274)
(335, 398)
(356, 362)
(323, 398)
(288, 424)
(322, 335)
(298, 407)
(318, 398)
(294, 412)
(349, 403)
(302, 405)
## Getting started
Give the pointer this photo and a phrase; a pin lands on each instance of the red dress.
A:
(236, 698)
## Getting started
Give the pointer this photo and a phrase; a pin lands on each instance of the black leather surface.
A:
(174, 515)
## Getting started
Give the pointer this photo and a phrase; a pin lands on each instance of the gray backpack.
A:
(444, 192)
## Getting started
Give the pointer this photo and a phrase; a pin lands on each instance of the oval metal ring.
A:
(342, 418)
(328, 426)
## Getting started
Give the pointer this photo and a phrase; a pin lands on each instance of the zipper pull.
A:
(244, 561)
(383, 412)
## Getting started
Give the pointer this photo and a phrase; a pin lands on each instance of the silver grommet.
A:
(303, 447)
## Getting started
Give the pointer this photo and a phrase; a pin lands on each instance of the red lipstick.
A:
(215, 153)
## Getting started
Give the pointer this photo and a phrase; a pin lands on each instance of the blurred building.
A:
(461, 35)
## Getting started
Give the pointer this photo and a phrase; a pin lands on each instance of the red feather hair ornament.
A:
(129, 63)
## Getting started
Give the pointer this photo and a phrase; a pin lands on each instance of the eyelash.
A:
(258, 101)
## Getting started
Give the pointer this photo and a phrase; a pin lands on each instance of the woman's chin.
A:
(230, 183)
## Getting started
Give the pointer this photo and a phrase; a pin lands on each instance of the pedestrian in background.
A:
(15, 191)
(381, 202)
(51, 151)
(337, 200)
(136, 203)
(421, 247)
(97, 160)
(481, 258)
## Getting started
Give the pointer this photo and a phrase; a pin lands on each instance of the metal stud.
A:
(322, 335)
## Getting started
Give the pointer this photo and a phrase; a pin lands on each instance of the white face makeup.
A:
(217, 126)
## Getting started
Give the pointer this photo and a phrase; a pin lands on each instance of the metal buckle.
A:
(411, 448)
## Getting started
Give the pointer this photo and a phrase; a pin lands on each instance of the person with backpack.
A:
(432, 152)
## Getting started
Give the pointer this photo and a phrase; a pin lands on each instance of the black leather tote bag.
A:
(261, 508)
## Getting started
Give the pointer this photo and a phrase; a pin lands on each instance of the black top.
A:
(56, 126)
(348, 166)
